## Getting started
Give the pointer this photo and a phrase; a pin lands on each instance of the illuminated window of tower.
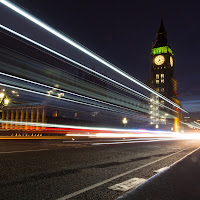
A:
(162, 76)
(157, 89)
(157, 81)
(157, 76)
(162, 89)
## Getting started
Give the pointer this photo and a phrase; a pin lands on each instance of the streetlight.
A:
(157, 126)
(2, 95)
(124, 121)
(6, 101)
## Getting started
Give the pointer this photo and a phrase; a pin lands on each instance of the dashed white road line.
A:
(23, 151)
(118, 176)
(132, 183)
(160, 170)
(128, 184)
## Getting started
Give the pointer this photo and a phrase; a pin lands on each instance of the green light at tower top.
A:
(160, 50)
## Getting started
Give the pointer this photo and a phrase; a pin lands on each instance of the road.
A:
(84, 169)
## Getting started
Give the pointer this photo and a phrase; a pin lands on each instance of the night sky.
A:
(122, 32)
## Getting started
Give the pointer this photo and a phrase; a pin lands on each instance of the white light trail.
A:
(116, 132)
(80, 65)
(65, 91)
(69, 100)
(83, 49)
(73, 61)
(131, 142)
(191, 125)
(197, 123)
(86, 128)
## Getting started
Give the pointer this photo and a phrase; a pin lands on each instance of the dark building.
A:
(162, 69)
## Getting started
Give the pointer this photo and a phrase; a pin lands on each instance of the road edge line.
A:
(158, 174)
(117, 176)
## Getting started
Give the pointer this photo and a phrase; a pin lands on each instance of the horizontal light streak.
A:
(191, 125)
(73, 61)
(111, 140)
(71, 93)
(88, 128)
(82, 66)
(131, 142)
(65, 91)
(93, 132)
(61, 98)
(83, 49)
(197, 123)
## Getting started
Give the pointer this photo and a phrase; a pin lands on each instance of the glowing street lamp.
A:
(2, 95)
(124, 121)
(157, 126)
(6, 101)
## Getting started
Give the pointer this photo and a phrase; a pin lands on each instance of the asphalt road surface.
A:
(84, 169)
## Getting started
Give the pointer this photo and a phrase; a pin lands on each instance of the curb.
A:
(177, 182)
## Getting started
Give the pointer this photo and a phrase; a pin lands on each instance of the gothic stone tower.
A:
(162, 69)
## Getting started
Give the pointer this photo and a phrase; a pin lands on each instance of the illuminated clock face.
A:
(171, 61)
(159, 60)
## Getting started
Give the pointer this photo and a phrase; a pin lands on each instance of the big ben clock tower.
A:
(162, 70)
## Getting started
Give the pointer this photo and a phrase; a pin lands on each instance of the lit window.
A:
(157, 89)
(162, 102)
(157, 81)
(162, 89)
(162, 81)
(162, 76)
(157, 76)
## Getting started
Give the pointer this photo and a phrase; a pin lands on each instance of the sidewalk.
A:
(181, 181)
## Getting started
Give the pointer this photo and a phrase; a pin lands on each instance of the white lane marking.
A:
(23, 151)
(156, 140)
(68, 196)
(127, 185)
(171, 165)
(160, 170)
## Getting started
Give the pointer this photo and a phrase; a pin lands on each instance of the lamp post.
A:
(124, 121)
(4, 101)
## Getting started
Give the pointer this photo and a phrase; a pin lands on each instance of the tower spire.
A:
(161, 36)
(162, 28)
